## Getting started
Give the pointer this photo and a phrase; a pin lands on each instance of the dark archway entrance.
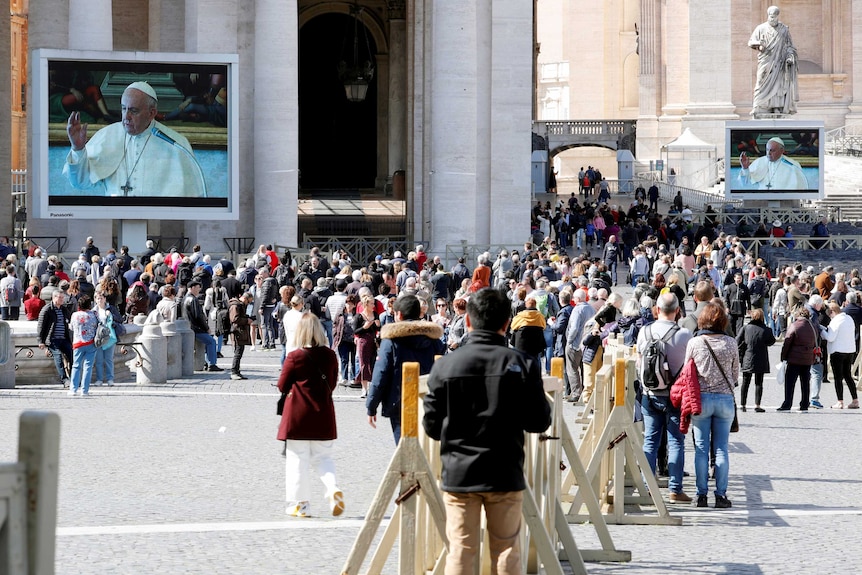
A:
(337, 138)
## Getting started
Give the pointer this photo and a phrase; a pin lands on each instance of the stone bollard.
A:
(7, 357)
(187, 336)
(154, 351)
(175, 349)
(200, 355)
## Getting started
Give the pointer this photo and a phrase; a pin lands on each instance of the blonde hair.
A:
(309, 332)
(297, 301)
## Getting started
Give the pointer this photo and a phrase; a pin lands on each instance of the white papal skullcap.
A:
(777, 140)
(145, 88)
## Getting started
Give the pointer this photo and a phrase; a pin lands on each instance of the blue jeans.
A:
(105, 364)
(269, 325)
(713, 424)
(612, 270)
(210, 343)
(327, 328)
(347, 357)
(660, 416)
(82, 366)
(61, 348)
(549, 347)
(816, 381)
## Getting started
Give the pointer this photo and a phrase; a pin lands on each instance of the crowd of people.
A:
(695, 288)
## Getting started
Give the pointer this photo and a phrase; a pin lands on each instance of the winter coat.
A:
(754, 341)
(799, 343)
(480, 401)
(239, 322)
(685, 395)
(528, 332)
(309, 413)
(415, 341)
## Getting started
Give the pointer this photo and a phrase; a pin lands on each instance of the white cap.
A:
(145, 88)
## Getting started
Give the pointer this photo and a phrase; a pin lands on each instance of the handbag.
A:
(734, 426)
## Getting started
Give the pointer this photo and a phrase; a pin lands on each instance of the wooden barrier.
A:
(28, 498)
(419, 522)
(613, 445)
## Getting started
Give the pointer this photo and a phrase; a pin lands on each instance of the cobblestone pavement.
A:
(188, 478)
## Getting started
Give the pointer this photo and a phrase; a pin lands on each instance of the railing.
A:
(708, 176)
(51, 244)
(585, 127)
(240, 245)
(805, 247)
(360, 249)
(846, 140)
(165, 243)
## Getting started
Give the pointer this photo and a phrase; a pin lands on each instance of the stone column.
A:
(397, 87)
(167, 26)
(856, 59)
(710, 99)
(476, 106)
(276, 122)
(211, 26)
(90, 28)
(650, 78)
(508, 112)
(451, 138)
(6, 124)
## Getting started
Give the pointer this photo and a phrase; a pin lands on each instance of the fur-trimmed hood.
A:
(401, 329)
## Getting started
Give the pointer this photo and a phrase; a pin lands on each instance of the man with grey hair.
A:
(581, 313)
(660, 416)
(502, 266)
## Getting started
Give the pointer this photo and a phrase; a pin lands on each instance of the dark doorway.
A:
(337, 138)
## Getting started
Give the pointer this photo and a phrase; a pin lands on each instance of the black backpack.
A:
(655, 372)
(223, 322)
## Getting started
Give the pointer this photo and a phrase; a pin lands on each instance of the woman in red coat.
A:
(308, 376)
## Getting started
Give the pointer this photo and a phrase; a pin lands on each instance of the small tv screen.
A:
(135, 135)
(774, 160)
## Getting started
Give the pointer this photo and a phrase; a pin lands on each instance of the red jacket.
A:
(685, 395)
(308, 411)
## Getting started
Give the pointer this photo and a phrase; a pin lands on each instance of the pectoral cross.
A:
(126, 188)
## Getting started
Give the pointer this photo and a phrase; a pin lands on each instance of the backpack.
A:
(283, 275)
(655, 374)
(11, 293)
(223, 326)
(757, 292)
(542, 304)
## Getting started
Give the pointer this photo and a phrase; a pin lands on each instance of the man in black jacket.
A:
(738, 304)
(481, 399)
(53, 330)
(194, 313)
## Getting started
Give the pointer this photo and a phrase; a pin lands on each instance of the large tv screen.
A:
(135, 135)
(774, 160)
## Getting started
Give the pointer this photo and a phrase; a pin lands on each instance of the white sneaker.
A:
(67, 383)
(336, 503)
(253, 348)
(98, 383)
(110, 383)
(70, 392)
(298, 510)
(85, 393)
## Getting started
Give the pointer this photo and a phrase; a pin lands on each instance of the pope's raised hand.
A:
(76, 131)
